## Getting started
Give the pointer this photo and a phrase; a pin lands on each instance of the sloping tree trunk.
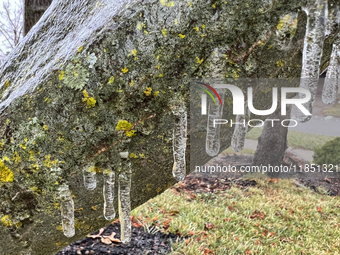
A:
(93, 79)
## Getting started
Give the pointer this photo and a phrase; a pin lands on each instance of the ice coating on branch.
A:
(179, 141)
(89, 175)
(108, 194)
(124, 203)
(212, 143)
(241, 129)
(67, 211)
(83, 25)
(331, 85)
(312, 52)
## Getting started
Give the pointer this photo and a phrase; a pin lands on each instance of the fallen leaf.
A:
(230, 207)
(154, 218)
(105, 240)
(208, 225)
(98, 235)
(166, 224)
(191, 233)
(319, 209)
(111, 238)
(173, 212)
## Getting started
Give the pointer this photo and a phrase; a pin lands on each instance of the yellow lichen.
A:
(132, 155)
(125, 70)
(134, 52)
(80, 48)
(125, 126)
(164, 32)
(147, 91)
(6, 220)
(182, 36)
(61, 75)
(156, 93)
(279, 63)
(199, 61)
(111, 80)
(45, 127)
(6, 175)
(16, 158)
(90, 101)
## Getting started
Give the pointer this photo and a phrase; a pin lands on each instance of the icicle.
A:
(179, 141)
(67, 211)
(108, 194)
(330, 88)
(312, 52)
(240, 131)
(124, 204)
(89, 174)
(212, 143)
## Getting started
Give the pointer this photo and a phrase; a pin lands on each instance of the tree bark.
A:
(34, 9)
(88, 64)
(272, 142)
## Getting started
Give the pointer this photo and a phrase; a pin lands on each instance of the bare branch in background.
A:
(11, 26)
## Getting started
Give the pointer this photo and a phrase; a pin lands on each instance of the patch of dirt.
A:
(332, 185)
(141, 243)
(199, 184)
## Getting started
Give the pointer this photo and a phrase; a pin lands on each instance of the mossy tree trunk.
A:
(95, 77)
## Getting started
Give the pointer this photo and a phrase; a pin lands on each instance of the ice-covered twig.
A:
(212, 144)
(108, 193)
(331, 85)
(67, 211)
(240, 131)
(312, 52)
(179, 141)
(124, 203)
(89, 174)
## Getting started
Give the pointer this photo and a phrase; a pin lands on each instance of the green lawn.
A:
(297, 139)
(273, 218)
(335, 111)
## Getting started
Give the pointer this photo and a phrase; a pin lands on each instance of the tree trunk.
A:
(34, 9)
(272, 142)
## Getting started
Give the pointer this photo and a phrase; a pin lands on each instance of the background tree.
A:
(11, 25)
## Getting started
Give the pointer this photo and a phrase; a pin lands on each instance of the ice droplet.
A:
(89, 174)
(108, 194)
(179, 142)
(330, 88)
(241, 129)
(212, 143)
(124, 204)
(312, 52)
(67, 211)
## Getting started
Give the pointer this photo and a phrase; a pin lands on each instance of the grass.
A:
(231, 151)
(273, 218)
(334, 111)
(297, 139)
